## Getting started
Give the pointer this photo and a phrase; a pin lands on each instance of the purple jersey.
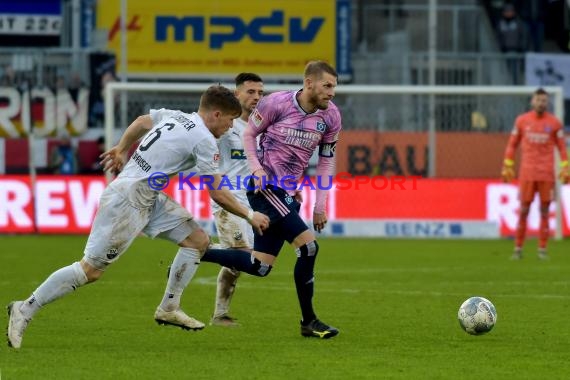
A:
(289, 135)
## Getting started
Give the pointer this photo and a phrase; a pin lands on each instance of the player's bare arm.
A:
(115, 158)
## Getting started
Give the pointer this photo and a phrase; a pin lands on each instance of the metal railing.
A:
(43, 67)
(462, 68)
(461, 27)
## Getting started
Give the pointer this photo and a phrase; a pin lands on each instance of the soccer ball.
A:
(477, 315)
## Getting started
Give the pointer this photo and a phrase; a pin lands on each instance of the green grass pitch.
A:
(394, 301)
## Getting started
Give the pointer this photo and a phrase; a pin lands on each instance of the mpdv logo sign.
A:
(217, 39)
(219, 30)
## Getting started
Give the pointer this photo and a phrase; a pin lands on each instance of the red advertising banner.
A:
(68, 204)
(458, 154)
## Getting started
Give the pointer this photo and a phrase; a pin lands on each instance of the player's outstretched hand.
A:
(319, 221)
(508, 173)
(259, 222)
(113, 160)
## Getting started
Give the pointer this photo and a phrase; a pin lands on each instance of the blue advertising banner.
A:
(30, 17)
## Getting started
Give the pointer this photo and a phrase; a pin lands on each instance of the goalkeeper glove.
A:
(508, 171)
(564, 175)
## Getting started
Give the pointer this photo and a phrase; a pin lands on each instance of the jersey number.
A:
(151, 139)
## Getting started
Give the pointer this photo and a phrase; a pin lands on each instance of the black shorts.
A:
(285, 224)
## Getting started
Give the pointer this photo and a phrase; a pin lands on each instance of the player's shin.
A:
(521, 225)
(238, 260)
(182, 270)
(304, 278)
(544, 231)
(226, 284)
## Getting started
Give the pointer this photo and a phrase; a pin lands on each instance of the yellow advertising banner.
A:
(219, 38)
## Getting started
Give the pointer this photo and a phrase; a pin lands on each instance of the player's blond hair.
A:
(317, 68)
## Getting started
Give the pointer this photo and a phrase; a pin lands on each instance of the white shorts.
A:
(233, 231)
(117, 223)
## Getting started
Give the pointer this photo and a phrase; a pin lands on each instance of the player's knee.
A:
(260, 269)
(202, 243)
(198, 239)
(308, 250)
(306, 256)
(93, 270)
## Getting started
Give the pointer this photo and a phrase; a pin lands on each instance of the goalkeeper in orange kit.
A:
(537, 132)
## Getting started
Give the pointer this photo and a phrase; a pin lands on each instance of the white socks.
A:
(69, 278)
(182, 270)
(61, 282)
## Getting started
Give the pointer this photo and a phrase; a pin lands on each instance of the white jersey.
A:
(177, 142)
(233, 163)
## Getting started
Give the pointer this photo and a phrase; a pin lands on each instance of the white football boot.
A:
(17, 324)
(177, 318)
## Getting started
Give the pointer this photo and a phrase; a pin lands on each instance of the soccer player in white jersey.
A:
(292, 125)
(133, 203)
(233, 231)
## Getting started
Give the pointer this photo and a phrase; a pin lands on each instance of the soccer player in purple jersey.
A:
(292, 125)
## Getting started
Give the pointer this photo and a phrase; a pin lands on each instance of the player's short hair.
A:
(218, 97)
(317, 68)
(247, 77)
(540, 91)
